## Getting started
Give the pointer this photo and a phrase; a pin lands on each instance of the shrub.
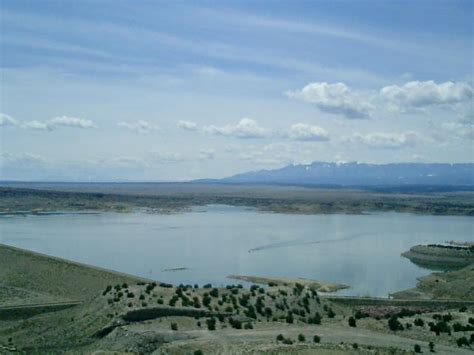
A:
(206, 300)
(431, 346)
(198, 352)
(301, 338)
(160, 301)
(142, 297)
(352, 322)
(463, 309)
(174, 326)
(419, 322)
(287, 341)
(280, 337)
(211, 324)
(331, 313)
(458, 327)
(394, 324)
(107, 289)
(214, 292)
(440, 327)
(289, 318)
(248, 325)
(124, 285)
(207, 286)
(236, 324)
(417, 348)
(462, 341)
(317, 339)
(355, 346)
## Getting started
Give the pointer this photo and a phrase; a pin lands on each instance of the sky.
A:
(178, 90)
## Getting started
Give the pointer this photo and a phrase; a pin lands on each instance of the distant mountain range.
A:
(361, 174)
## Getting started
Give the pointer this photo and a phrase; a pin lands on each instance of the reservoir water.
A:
(211, 242)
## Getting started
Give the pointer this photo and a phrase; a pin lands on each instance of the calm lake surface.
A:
(362, 251)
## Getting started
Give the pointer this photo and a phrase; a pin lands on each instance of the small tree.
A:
(280, 337)
(317, 339)
(417, 348)
(352, 322)
(174, 326)
(301, 338)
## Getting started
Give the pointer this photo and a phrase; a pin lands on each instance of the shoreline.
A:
(319, 286)
(289, 200)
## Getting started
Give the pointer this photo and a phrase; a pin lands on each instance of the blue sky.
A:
(174, 90)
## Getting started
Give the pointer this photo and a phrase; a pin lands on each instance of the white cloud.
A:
(412, 96)
(245, 128)
(67, 121)
(187, 125)
(335, 98)
(57, 122)
(387, 140)
(423, 94)
(49, 125)
(6, 120)
(139, 126)
(38, 125)
(306, 132)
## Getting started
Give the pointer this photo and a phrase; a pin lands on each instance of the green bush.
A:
(174, 326)
(301, 338)
(280, 337)
(352, 322)
(419, 322)
(462, 341)
(417, 348)
(394, 324)
(211, 324)
(198, 352)
(317, 339)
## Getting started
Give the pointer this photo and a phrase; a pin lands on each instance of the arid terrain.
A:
(50, 305)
